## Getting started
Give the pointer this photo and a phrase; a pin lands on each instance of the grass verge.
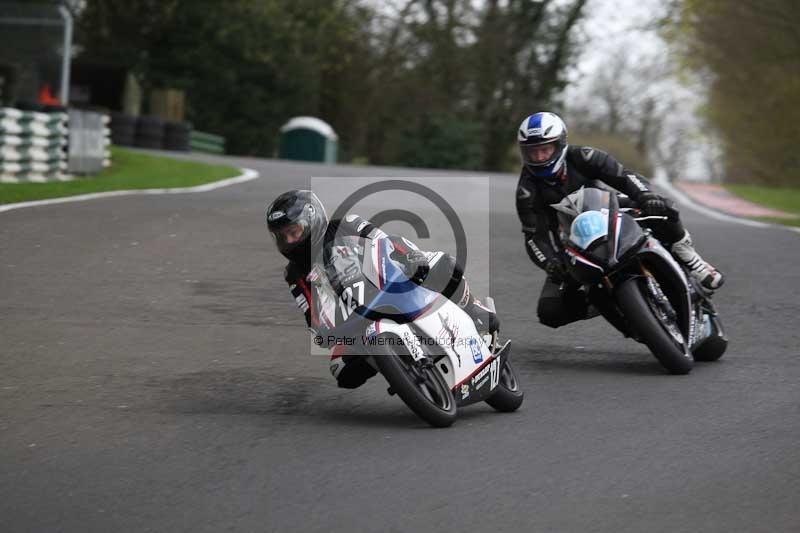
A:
(785, 199)
(782, 221)
(782, 198)
(129, 170)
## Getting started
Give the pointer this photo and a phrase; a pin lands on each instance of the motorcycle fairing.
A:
(673, 280)
(445, 329)
(587, 227)
(464, 360)
(431, 324)
(396, 291)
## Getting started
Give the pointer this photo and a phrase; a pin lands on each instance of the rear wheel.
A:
(418, 384)
(507, 396)
(659, 334)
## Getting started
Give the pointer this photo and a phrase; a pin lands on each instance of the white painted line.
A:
(247, 175)
(685, 200)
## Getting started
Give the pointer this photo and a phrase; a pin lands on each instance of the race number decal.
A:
(494, 372)
(347, 302)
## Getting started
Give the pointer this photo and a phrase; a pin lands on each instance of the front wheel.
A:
(714, 346)
(420, 386)
(507, 396)
(632, 297)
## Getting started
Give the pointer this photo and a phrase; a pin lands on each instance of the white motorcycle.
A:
(426, 347)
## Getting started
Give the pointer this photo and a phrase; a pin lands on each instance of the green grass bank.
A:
(129, 170)
(785, 199)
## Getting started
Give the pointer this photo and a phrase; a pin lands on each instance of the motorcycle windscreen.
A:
(582, 200)
(595, 200)
(630, 234)
(587, 228)
(397, 294)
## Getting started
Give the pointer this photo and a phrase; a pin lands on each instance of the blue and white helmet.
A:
(537, 130)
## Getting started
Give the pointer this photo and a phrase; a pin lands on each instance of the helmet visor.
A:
(289, 236)
(539, 155)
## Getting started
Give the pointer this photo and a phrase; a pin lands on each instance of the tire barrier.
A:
(177, 136)
(150, 132)
(123, 129)
(32, 146)
(35, 146)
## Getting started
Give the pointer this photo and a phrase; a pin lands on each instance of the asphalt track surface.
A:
(155, 376)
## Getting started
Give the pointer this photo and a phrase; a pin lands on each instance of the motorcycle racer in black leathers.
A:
(300, 227)
(552, 169)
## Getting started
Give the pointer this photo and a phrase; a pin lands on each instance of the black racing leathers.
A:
(585, 166)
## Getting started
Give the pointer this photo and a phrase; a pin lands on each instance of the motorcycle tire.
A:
(507, 396)
(423, 389)
(712, 348)
(630, 297)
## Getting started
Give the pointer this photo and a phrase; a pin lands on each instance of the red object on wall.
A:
(46, 96)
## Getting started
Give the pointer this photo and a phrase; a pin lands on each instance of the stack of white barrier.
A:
(32, 146)
(106, 141)
(89, 142)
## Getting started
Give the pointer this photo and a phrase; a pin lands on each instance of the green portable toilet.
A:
(308, 139)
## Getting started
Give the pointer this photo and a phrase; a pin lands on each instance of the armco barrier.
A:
(206, 142)
(34, 146)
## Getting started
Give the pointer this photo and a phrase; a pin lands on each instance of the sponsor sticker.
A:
(477, 377)
(410, 342)
(536, 251)
(492, 370)
(449, 329)
(475, 348)
(301, 302)
(464, 391)
(276, 215)
(636, 181)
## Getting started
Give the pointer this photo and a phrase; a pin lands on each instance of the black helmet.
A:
(297, 221)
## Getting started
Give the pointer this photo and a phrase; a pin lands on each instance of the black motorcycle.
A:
(635, 283)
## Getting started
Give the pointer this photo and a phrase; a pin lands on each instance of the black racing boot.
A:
(485, 319)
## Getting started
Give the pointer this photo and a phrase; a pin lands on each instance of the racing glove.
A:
(652, 204)
(556, 270)
(415, 263)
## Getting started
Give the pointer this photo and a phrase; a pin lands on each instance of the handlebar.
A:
(651, 217)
